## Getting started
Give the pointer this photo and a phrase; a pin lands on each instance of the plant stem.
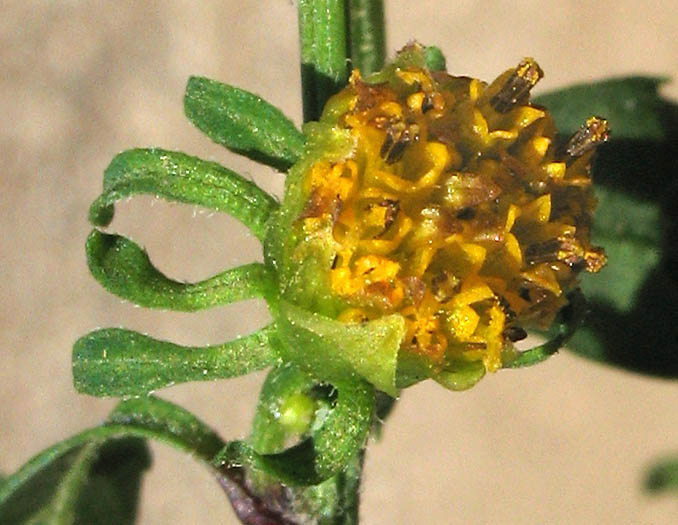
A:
(324, 67)
(366, 35)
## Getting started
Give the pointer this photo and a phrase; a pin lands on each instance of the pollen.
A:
(459, 209)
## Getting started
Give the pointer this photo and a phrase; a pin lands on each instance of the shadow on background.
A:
(645, 338)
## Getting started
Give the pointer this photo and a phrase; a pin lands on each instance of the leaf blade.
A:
(179, 177)
(630, 104)
(118, 362)
(243, 122)
(26, 496)
(124, 269)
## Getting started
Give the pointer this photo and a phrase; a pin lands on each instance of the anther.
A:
(514, 333)
(517, 88)
(593, 133)
(398, 137)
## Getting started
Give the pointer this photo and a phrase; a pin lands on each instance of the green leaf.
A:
(324, 54)
(180, 177)
(94, 476)
(366, 35)
(333, 444)
(123, 268)
(631, 233)
(88, 482)
(157, 419)
(632, 323)
(334, 351)
(663, 476)
(631, 105)
(243, 122)
(118, 362)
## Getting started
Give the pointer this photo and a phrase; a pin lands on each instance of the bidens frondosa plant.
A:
(431, 221)
(428, 221)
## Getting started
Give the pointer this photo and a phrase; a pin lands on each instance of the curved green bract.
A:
(570, 318)
(331, 447)
(96, 474)
(118, 362)
(124, 269)
(179, 177)
(334, 351)
(243, 123)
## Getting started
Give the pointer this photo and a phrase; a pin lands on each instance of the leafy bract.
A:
(335, 351)
(118, 362)
(179, 177)
(124, 269)
(243, 122)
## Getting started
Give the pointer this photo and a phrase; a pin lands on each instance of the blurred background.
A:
(564, 442)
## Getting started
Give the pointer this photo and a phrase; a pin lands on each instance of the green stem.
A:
(366, 35)
(324, 67)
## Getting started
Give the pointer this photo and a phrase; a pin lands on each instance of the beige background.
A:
(565, 442)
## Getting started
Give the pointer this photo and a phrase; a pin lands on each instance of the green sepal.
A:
(243, 123)
(631, 105)
(179, 177)
(435, 60)
(334, 351)
(302, 263)
(124, 269)
(454, 375)
(94, 476)
(331, 447)
(118, 362)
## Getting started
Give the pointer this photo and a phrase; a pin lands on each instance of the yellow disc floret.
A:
(457, 210)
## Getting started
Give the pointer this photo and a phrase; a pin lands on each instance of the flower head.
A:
(437, 210)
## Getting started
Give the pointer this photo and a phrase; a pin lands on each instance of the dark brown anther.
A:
(563, 249)
(392, 210)
(593, 133)
(517, 88)
(428, 103)
(398, 137)
(506, 307)
(466, 214)
(514, 333)
(335, 260)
